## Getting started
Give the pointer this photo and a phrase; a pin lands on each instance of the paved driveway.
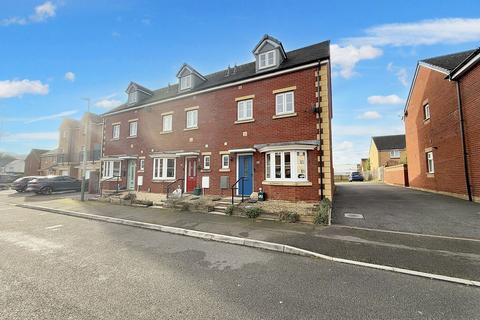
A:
(402, 209)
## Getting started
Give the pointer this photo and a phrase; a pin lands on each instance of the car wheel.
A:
(47, 190)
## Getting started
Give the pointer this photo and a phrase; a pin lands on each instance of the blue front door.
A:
(245, 169)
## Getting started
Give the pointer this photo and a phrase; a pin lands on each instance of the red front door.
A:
(191, 174)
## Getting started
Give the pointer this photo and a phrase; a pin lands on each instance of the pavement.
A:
(458, 258)
(402, 209)
(59, 267)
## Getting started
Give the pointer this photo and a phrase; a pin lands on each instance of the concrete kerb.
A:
(249, 243)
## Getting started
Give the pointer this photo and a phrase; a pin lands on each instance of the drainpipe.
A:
(319, 130)
(464, 144)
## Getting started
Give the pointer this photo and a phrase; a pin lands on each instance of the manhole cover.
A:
(353, 215)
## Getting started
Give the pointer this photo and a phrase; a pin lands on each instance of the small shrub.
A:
(287, 216)
(229, 210)
(321, 213)
(253, 212)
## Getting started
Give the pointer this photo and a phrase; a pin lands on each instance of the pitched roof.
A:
(390, 142)
(450, 61)
(295, 58)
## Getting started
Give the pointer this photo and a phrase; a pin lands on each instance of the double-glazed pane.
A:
(286, 165)
(116, 131)
(163, 168)
(301, 165)
(245, 109)
(284, 103)
(133, 128)
(192, 118)
(185, 82)
(167, 123)
(170, 168)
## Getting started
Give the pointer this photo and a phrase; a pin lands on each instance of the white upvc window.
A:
(116, 131)
(284, 103)
(192, 118)
(132, 97)
(394, 154)
(167, 122)
(164, 168)
(225, 161)
(245, 110)
(111, 168)
(206, 162)
(430, 164)
(286, 165)
(142, 164)
(186, 82)
(426, 112)
(132, 129)
(266, 59)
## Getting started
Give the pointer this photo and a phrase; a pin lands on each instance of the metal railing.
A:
(234, 187)
(170, 184)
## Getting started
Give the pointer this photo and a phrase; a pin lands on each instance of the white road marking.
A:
(55, 226)
(29, 242)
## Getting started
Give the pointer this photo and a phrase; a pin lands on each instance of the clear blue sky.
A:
(54, 53)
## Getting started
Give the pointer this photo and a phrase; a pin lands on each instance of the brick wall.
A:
(470, 90)
(218, 132)
(32, 164)
(441, 134)
(397, 175)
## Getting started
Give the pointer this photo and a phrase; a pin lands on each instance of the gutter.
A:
(464, 144)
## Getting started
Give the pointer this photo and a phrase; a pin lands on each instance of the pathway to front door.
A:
(191, 174)
(131, 175)
(245, 169)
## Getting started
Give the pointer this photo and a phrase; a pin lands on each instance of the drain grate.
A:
(353, 215)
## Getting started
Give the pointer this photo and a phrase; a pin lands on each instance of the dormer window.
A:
(267, 59)
(132, 97)
(186, 82)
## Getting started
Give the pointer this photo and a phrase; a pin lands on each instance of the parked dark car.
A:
(20, 185)
(355, 176)
(49, 184)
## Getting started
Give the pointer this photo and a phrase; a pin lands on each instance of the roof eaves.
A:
(465, 65)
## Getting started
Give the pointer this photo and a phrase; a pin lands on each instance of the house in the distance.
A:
(442, 123)
(16, 166)
(260, 125)
(32, 162)
(386, 151)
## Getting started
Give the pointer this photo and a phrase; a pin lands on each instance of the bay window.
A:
(111, 168)
(286, 165)
(163, 168)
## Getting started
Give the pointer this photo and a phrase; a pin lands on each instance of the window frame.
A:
(116, 136)
(165, 116)
(426, 112)
(223, 157)
(265, 55)
(163, 175)
(186, 82)
(132, 97)
(271, 165)
(141, 165)
(130, 123)
(205, 166)
(191, 126)
(283, 95)
(244, 103)
(108, 168)
(393, 154)
(430, 162)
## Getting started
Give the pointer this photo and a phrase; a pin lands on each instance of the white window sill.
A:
(430, 175)
(205, 170)
(224, 170)
(140, 171)
(131, 137)
(244, 121)
(287, 183)
(188, 129)
(166, 132)
(114, 139)
(163, 180)
(284, 115)
(112, 179)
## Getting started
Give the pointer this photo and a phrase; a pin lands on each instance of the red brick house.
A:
(32, 162)
(442, 122)
(268, 121)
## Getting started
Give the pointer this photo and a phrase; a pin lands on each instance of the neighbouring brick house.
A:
(444, 151)
(32, 162)
(386, 151)
(73, 140)
(268, 121)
